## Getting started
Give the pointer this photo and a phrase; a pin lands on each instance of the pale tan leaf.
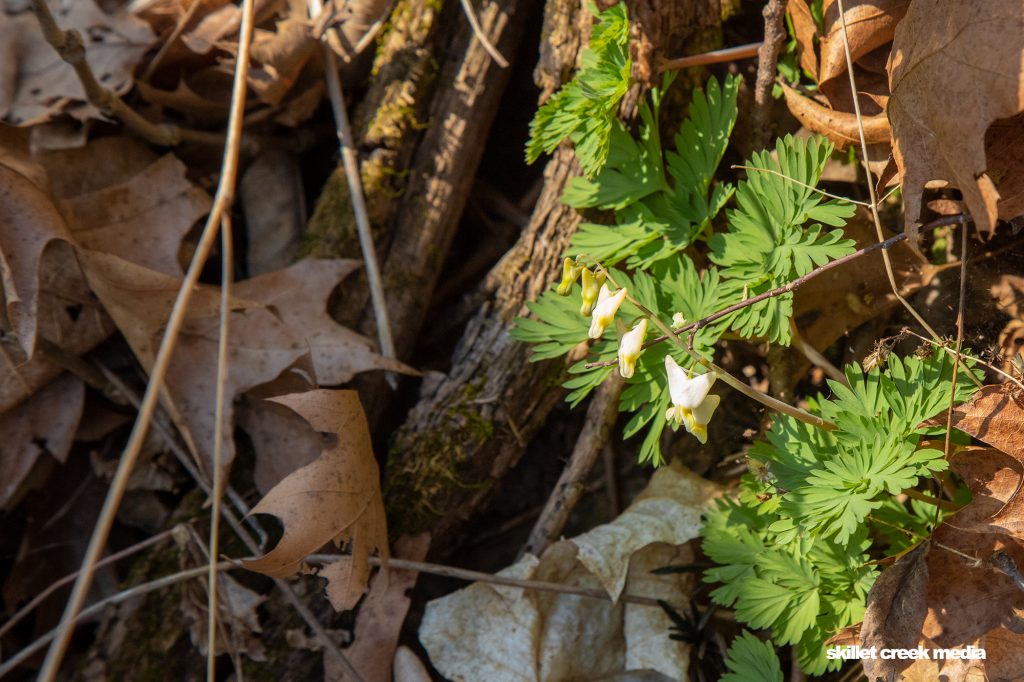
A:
(236, 614)
(43, 424)
(46, 85)
(490, 632)
(337, 498)
(952, 51)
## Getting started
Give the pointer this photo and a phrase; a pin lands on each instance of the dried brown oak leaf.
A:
(380, 619)
(43, 424)
(955, 69)
(112, 194)
(299, 296)
(968, 575)
(44, 85)
(336, 499)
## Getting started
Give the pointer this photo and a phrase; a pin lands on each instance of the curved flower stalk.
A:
(692, 403)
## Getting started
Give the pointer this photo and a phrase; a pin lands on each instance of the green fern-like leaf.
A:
(655, 218)
(751, 660)
(767, 244)
(584, 109)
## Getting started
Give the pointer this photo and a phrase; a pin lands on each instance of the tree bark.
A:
(471, 426)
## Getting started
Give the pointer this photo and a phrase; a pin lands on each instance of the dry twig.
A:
(355, 189)
(597, 425)
(221, 204)
(714, 57)
(767, 61)
(71, 48)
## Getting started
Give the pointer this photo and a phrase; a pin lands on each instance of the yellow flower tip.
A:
(591, 290)
(605, 309)
(570, 272)
(700, 432)
(630, 348)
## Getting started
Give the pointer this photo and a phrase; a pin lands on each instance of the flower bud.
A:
(630, 348)
(591, 287)
(570, 271)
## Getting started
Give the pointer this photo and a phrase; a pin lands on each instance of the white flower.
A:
(604, 312)
(692, 405)
(678, 321)
(630, 347)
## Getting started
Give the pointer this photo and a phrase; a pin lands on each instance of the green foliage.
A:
(751, 660)
(583, 110)
(767, 244)
(793, 552)
(656, 218)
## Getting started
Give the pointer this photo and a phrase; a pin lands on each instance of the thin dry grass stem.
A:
(179, 28)
(814, 355)
(714, 57)
(355, 188)
(222, 202)
(95, 609)
(772, 171)
(870, 177)
(250, 543)
(481, 35)
(70, 47)
(476, 576)
(162, 426)
(227, 275)
(105, 561)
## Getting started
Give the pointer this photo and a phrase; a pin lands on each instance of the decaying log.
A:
(471, 426)
(444, 166)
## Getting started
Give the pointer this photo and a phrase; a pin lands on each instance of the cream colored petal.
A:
(703, 412)
(685, 391)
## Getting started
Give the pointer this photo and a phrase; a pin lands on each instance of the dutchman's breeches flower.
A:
(604, 312)
(591, 287)
(692, 405)
(630, 347)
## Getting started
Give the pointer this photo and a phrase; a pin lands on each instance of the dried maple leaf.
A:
(337, 499)
(955, 69)
(46, 84)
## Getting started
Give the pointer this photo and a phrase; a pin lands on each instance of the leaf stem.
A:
(693, 327)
